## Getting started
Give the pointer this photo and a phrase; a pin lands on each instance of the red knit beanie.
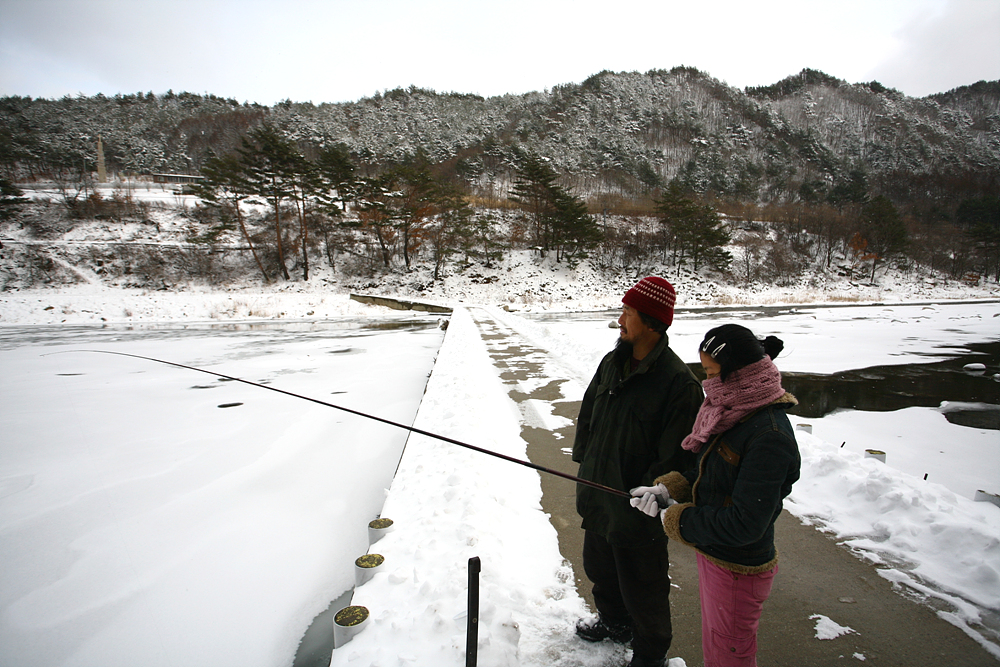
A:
(653, 296)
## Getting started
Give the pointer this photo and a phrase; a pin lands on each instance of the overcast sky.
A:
(343, 50)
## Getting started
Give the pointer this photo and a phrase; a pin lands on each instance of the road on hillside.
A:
(816, 576)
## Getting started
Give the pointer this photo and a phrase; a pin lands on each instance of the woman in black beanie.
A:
(732, 346)
(726, 507)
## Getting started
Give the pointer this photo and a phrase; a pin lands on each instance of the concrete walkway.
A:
(816, 575)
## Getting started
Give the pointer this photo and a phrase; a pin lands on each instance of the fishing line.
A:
(412, 429)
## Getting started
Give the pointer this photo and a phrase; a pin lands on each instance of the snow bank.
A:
(919, 534)
(920, 441)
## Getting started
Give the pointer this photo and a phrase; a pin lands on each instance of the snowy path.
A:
(548, 404)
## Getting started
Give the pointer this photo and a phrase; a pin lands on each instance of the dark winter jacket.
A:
(629, 430)
(735, 492)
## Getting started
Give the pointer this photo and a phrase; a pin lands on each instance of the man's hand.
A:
(651, 499)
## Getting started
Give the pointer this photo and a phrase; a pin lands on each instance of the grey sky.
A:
(336, 50)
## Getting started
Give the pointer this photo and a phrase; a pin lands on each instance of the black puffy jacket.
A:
(629, 430)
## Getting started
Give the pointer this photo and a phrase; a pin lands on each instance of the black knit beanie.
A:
(733, 346)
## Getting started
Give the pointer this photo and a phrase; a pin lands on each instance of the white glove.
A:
(651, 499)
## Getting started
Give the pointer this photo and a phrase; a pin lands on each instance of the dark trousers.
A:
(632, 587)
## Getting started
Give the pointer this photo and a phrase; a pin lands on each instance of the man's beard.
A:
(623, 346)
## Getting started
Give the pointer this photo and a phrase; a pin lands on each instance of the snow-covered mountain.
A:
(614, 133)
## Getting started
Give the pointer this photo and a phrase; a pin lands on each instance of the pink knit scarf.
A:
(726, 403)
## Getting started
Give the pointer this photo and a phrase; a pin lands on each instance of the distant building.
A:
(176, 178)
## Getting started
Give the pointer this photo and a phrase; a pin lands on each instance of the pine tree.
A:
(304, 184)
(416, 203)
(451, 223)
(336, 172)
(336, 187)
(883, 229)
(692, 229)
(377, 211)
(676, 213)
(11, 199)
(706, 238)
(533, 190)
(574, 230)
(981, 218)
(271, 163)
(225, 185)
(559, 220)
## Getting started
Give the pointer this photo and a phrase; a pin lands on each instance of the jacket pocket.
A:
(735, 647)
(644, 423)
(727, 454)
(721, 468)
(762, 584)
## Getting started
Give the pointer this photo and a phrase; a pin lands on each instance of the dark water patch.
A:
(69, 375)
(973, 415)
(316, 646)
(889, 388)
(391, 325)
(205, 386)
(230, 405)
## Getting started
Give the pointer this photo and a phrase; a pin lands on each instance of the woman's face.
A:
(712, 368)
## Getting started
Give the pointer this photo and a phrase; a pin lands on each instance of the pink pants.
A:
(730, 613)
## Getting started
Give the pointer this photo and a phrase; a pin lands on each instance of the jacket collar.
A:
(648, 361)
(786, 401)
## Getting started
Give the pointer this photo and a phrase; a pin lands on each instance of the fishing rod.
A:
(412, 429)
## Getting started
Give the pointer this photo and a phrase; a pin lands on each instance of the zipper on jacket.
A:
(620, 384)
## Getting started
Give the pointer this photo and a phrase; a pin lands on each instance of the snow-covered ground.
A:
(80, 550)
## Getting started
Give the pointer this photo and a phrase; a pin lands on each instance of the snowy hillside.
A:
(150, 258)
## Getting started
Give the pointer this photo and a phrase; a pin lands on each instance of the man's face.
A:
(632, 326)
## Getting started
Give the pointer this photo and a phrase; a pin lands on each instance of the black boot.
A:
(595, 631)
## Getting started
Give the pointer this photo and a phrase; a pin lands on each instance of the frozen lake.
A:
(153, 515)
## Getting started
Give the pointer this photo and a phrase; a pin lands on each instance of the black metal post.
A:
(472, 628)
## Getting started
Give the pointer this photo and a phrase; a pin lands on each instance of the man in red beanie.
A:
(640, 405)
